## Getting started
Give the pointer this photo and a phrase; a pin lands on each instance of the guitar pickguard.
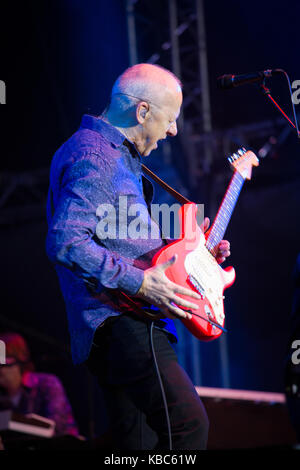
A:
(203, 269)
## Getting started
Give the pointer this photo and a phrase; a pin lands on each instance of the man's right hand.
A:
(158, 290)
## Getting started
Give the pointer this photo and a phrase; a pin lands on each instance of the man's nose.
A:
(172, 131)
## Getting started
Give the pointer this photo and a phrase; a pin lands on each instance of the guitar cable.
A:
(211, 322)
(160, 379)
(161, 386)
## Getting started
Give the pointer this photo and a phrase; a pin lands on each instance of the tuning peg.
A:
(240, 152)
(230, 159)
(235, 156)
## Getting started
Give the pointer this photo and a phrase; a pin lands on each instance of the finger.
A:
(178, 312)
(224, 245)
(184, 303)
(184, 291)
(223, 253)
(205, 224)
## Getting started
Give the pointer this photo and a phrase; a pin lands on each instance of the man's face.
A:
(160, 122)
(10, 375)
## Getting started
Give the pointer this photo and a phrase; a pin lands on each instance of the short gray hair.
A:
(138, 81)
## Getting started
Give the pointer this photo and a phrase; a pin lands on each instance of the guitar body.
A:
(197, 269)
(196, 266)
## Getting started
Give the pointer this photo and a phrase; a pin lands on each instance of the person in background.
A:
(26, 391)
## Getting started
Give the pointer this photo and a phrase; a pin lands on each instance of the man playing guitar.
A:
(97, 165)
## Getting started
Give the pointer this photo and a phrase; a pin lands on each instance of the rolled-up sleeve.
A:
(86, 182)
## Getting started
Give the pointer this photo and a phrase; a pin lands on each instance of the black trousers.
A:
(121, 358)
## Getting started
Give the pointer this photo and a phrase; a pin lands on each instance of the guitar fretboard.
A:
(224, 213)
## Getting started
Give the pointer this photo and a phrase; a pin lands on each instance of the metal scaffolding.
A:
(173, 35)
(183, 50)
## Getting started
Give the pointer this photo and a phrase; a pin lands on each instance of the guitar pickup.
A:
(196, 284)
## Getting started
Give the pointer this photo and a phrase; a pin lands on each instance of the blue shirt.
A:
(97, 166)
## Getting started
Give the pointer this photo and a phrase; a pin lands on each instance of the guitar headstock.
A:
(243, 161)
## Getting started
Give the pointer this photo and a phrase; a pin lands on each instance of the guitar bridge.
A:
(196, 284)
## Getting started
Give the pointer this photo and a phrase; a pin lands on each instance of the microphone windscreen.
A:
(225, 82)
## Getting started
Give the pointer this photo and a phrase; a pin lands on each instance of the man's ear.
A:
(142, 110)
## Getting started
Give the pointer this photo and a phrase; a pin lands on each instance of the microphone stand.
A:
(266, 91)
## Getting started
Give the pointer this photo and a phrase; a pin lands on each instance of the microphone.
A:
(231, 81)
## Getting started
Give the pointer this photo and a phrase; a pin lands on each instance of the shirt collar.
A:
(131, 148)
(109, 132)
(29, 380)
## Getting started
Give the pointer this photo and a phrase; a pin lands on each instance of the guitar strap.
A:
(180, 198)
(165, 186)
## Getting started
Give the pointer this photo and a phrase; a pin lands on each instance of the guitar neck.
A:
(224, 213)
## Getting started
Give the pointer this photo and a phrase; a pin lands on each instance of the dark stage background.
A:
(59, 60)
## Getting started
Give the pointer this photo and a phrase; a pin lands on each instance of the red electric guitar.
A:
(196, 266)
